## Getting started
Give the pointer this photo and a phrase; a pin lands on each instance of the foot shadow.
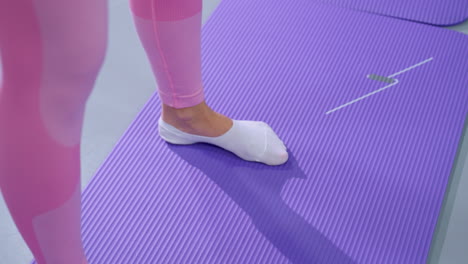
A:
(256, 188)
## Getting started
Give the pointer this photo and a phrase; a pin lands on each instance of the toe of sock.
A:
(275, 153)
(278, 157)
(274, 139)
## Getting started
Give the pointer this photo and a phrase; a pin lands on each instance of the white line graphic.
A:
(363, 97)
(381, 89)
(410, 68)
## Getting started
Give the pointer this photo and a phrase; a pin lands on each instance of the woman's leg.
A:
(170, 31)
(51, 52)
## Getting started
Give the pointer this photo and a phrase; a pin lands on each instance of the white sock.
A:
(250, 140)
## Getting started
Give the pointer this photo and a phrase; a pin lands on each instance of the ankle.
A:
(188, 114)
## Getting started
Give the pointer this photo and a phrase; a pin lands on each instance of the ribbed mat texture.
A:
(370, 156)
(435, 12)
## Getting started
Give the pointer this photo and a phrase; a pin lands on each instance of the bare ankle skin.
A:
(199, 120)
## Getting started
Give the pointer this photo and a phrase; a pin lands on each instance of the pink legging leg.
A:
(170, 33)
(51, 52)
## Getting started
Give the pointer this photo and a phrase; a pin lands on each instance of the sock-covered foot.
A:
(249, 140)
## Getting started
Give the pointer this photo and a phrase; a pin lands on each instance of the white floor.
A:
(124, 98)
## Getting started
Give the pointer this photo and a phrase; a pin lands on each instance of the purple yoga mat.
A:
(435, 12)
(364, 182)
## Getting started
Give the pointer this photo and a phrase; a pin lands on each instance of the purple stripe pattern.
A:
(364, 183)
(434, 12)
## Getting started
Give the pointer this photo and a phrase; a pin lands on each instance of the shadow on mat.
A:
(256, 188)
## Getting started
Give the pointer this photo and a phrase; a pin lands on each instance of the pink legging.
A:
(51, 53)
